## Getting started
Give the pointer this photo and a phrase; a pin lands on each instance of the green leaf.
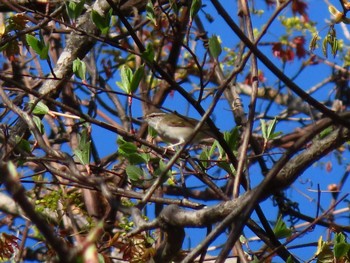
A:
(281, 230)
(232, 138)
(271, 128)
(268, 130)
(214, 46)
(126, 76)
(22, 144)
(79, 68)
(263, 128)
(126, 148)
(38, 46)
(341, 250)
(341, 247)
(146, 157)
(134, 173)
(150, 12)
(324, 252)
(74, 9)
(339, 238)
(195, 7)
(204, 156)
(40, 108)
(213, 148)
(135, 158)
(148, 54)
(162, 166)
(84, 148)
(39, 124)
(290, 260)
(102, 22)
(136, 78)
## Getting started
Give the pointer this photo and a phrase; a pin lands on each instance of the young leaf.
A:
(341, 247)
(135, 158)
(232, 138)
(268, 130)
(150, 12)
(204, 156)
(281, 230)
(22, 144)
(195, 7)
(290, 260)
(324, 252)
(40, 108)
(102, 22)
(136, 78)
(134, 173)
(162, 166)
(38, 46)
(79, 68)
(263, 128)
(74, 9)
(126, 148)
(148, 54)
(271, 128)
(214, 46)
(84, 148)
(39, 124)
(126, 78)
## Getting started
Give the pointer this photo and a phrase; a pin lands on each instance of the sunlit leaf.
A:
(281, 230)
(214, 46)
(74, 9)
(102, 22)
(22, 144)
(148, 54)
(39, 124)
(79, 68)
(40, 108)
(84, 147)
(150, 12)
(204, 156)
(136, 78)
(38, 46)
(134, 173)
(195, 7)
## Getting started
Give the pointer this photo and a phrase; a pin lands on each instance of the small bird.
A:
(177, 129)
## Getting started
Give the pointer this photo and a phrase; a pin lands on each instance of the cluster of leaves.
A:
(336, 251)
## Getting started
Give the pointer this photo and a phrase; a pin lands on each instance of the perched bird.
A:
(177, 129)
